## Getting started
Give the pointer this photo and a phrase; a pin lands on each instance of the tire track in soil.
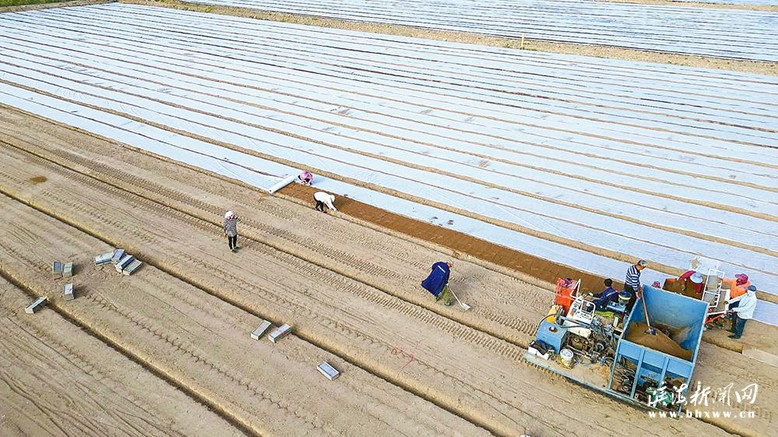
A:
(156, 335)
(83, 364)
(335, 325)
(454, 328)
(89, 368)
(283, 213)
(508, 326)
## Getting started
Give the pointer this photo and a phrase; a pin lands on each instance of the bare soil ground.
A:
(410, 366)
(56, 379)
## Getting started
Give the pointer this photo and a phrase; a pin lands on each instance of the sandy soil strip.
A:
(56, 379)
(465, 370)
(203, 343)
(503, 306)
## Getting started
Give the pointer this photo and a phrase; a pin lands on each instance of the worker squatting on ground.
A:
(321, 198)
(608, 295)
(632, 281)
(306, 178)
(437, 282)
(231, 230)
(743, 312)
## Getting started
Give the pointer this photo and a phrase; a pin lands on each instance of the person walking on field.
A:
(632, 281)
(437, 282)
(321, 198)
(231, 230)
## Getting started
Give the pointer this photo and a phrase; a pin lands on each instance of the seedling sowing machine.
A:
(612, 352)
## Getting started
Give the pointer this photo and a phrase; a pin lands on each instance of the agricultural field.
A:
(737, 34)
(125, 125)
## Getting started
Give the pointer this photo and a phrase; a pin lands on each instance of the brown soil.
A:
(56, 379)
(351, 293)
(770, 68)
(659, 342)
(461, 245)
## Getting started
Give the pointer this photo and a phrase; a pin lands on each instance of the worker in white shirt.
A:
(322, 199)
(744, 311)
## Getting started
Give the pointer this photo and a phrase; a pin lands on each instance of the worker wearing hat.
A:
(321, 198)
(231, 229)
(737, 286)
(691, 280)
(743, 312)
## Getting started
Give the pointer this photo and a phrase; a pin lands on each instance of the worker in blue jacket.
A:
(607, 296)
(437, 282)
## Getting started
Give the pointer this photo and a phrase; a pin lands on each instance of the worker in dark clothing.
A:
(632, 282)
(437, 282)
(605, 297)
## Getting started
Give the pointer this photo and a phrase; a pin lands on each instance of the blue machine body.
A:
(552, 334)
(684, 315)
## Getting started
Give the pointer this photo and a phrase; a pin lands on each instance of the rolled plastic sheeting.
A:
(281, 184)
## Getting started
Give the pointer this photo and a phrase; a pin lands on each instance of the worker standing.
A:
(632, 281)
(737, 287)
(744, 311)
(321, 198)
(437, 282)
(231, 230)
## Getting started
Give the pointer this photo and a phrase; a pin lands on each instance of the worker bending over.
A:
(743, 312)
(437, 282)
(321, 198)
(306, 178)
(691, 280)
